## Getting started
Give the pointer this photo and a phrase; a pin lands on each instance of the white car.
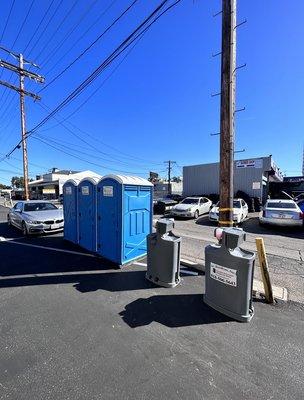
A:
(281, 213)
(36, 216)
(240, 211)
(191, 207)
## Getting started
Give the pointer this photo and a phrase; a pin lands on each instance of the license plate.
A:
(55, 226)
(282, 216)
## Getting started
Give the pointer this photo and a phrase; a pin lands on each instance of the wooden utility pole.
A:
(22, 74)
(169, 174)
(228, 67)
(23, 130)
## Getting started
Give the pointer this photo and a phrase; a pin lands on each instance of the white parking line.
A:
(140, 264)
(3, 239)
(56, 274)
(48, 248)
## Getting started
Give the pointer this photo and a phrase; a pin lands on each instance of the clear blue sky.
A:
(157, 105)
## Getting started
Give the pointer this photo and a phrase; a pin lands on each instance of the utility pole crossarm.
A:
(25, 92)
(17, 57)
(28, 74)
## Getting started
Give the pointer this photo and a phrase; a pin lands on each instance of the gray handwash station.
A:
(229, 276)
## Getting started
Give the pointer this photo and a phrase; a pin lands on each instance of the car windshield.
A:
(189, 201)
(279, 204)
(236, 204)
(39, 207)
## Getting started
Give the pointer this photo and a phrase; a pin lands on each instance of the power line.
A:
(125, 155)
(90, 46)
(11, 165)
(39, 25)
(84, 160)
(7, 108)
(36, 30)
(23, 23)
(47, 25)
(71, 145)
(102, 83)
(124, 45)
(31, 163)
(7, 20)
(121, 153)
(17, 37)
(61, 23)
(4, 129)
(92, 147)
(80, 37)
(12, 47)
(64, 39)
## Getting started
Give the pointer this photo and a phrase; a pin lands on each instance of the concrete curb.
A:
(279, 293)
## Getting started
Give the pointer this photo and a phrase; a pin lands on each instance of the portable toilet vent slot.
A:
(124, 217)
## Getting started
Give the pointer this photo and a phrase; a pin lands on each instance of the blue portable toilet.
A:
(87, 213)
(70, 210)
(124, 217)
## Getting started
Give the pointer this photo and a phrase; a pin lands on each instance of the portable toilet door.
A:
(124, 210)
(70, 210)
(87, 213)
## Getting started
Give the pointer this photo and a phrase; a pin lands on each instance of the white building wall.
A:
(203, 179)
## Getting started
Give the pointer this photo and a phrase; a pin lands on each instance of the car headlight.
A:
(35, 222)
(189, 209)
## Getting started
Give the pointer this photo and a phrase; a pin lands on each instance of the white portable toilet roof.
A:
(73, 181)
(128, 180)
(93, 179)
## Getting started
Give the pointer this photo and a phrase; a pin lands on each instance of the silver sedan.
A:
(281, 213)
(36, 217)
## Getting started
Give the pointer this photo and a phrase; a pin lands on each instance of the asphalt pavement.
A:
(77, 327)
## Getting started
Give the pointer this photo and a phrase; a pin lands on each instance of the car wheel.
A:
(196, 214)
(24, 229)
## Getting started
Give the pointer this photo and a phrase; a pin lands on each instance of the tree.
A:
(4, 186)
(176, 179)
(18, 182)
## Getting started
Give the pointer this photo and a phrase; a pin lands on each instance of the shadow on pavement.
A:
(9, 231)
(173, 310)
(20, 259)
(252, 226)
(109, 281)
(204, 220)
(114, 282)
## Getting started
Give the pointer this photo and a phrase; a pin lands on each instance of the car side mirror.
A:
(17, 210)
